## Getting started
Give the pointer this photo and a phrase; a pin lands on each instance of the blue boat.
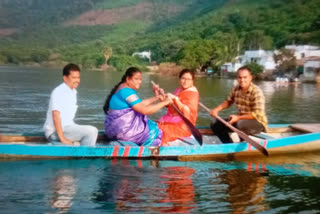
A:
(278, 140)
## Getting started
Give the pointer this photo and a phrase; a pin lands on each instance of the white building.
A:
(304, 51)
(232, 66)
(143, 54)
(311, 68)
(306, 55)
(261, 57)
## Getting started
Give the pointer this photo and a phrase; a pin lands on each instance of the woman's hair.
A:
(129, 73)
(186, 70)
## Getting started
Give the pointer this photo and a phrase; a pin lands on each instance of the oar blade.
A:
(256, 145)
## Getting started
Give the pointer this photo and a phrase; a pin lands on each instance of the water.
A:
(144, 186)
(277, 185)
(25, 95)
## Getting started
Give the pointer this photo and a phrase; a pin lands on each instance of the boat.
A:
(281, 139)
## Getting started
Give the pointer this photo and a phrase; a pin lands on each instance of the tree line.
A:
(210, 38)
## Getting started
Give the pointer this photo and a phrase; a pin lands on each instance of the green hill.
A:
(58, 31)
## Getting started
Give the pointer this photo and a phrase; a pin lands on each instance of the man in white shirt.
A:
(59, 125)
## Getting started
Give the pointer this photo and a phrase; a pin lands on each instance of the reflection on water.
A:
(167, 190)
(131, 186)
(249, 198)
(179, 188)
(64, 191)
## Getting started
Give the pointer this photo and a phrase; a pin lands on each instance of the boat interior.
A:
(273, 132)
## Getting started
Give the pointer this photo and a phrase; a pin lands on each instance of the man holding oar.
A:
(249, 99)
(59, 125)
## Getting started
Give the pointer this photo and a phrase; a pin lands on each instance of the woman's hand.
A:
(157, 90)
(168, 98)
(173, 97)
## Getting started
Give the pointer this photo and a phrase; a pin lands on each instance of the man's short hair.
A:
(244, 68)
(70, 67)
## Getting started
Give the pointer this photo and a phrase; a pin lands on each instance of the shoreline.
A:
(153, 72)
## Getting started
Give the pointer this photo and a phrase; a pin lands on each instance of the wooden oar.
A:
(240, 133)
(195, 132)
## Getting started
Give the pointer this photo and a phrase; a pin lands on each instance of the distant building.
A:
(308, 58)
(143, 54)
(311, 68)
(261, 57)
(304, 51)
(232, 66)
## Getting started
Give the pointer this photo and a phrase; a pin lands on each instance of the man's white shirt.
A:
(64, 100)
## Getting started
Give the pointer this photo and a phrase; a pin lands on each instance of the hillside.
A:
(57, 31)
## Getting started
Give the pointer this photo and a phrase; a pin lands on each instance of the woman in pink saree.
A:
(186, 99)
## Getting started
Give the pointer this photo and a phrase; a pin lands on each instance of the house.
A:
(261, 57)
(143, 54)
(304, 51)
(311, 71)
(232, 66)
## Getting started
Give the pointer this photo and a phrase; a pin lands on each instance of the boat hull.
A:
(287, 145)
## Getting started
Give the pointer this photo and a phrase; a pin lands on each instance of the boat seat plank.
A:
(304, 127)
(264, 136)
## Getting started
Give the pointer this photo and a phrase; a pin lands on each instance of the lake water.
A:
(277, 185)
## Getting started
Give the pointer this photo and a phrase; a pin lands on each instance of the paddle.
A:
(195, 132)
(240, 133)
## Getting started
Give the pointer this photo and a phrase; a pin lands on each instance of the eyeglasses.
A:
(185, 79)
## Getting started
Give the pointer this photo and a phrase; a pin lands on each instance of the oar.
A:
(240, 133)
(195, 132)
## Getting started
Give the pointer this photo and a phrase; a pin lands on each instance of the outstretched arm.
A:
(146, 107)
(150, 100)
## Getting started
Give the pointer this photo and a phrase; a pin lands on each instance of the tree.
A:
(228, 49)
(256, 39)
(286, 61)
(107, 54)
(122, 62)
(255, 68)
(197, 53)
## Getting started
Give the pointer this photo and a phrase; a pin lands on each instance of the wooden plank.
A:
(17, 138)
(305, 127)
(33, 139)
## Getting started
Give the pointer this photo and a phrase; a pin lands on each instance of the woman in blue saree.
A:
(126, 114)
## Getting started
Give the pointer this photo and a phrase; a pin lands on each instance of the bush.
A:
(169, 69)
(255, 68)
(122, 62)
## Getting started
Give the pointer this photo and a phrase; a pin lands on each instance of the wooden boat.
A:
(278, 140)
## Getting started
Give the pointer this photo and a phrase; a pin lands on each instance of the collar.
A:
(193, 88)
(68, 88)
(250, 89)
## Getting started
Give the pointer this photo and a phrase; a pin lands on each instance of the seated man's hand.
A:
(214, 112)
(233, 118)
(66, 141)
